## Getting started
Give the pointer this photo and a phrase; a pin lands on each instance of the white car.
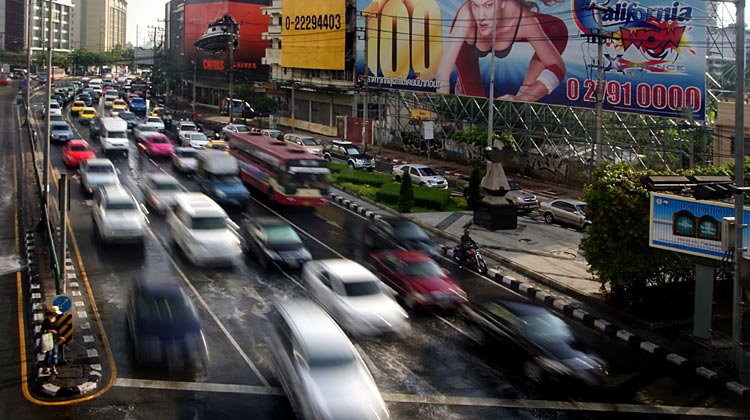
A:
(270, 132)
(321, 372)
(141, 131)
(117, 216)
(422, 175)
(54, 109)
(354, 297)
(184, 127)
(234, 128)
(109, 98)
(196, 140)
(95, 173)
(203, 231)
(159, 190)
(156, 122)
(306, 143)
(185, 159)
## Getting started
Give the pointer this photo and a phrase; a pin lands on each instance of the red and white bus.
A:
(286, 174)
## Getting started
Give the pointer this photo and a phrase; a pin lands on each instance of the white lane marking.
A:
(447, 400)
(456, 328)
(211, 313)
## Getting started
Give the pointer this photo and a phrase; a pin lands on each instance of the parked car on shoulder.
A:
(306, 143)
(273, 241)
(565, 211)
(421, 175)
(524, 200)
(348, 153)
(270, 132)
(539, 340)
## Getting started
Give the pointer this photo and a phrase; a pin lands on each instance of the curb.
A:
(37, 316)
(572, 310)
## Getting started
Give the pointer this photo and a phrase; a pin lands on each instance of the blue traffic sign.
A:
(63, 302)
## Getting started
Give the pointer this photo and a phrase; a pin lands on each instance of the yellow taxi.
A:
(157, 111)
(87, 114)
(119, 105)
(220, 145)
(76, 108)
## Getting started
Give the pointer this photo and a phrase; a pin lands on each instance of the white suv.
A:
(202, 230)
(117, 215)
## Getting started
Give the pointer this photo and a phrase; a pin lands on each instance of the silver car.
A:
(323, 375)
(117, 215)
(96, 173)
(566, 211)
(524, 200)
(185, 159)
(159, 190)
(421, 175)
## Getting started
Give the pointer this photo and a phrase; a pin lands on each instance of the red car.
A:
(4, 80)
(419, 281)
(77, 151)
(156, 144)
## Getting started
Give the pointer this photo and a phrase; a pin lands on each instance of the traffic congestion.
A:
(221, 260)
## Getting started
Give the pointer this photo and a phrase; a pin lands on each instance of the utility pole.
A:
(230, 46)
(366, 105)
(47, 132)
(739, 164)
(600, 39)
(491, 95)
(195, 70)
(29, 44)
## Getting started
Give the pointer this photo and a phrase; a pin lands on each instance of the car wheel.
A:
(351, 165)
(327, 157)
(422, 184)
(548, 217)
(409, 302)
(397, 178)
(532, 371)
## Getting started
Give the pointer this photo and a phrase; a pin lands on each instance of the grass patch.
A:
(427, 198)
(362, 190)
(362, 177)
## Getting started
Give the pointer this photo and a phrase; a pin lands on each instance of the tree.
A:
(406, 198)
(474, 192)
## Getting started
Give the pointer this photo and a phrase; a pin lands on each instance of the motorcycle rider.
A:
(465, 244)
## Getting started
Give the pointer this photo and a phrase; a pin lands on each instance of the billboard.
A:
(313, 32)
(690, 226)
(545, 52)
(247, 56)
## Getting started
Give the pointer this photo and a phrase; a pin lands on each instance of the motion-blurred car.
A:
(565, 211)
(117, 215)
(129, 117)
(202, 230)
(398, 233)
(320, 370)
(273, 240)
(234, 128)
(185, 159)
(156, 145)
(119, 105)
(183, 128)
(54, 108)
(194, 139)
(164, 327)
(219, 145)
(4, 80)
(95, 127)
(60, 132)
(421, 175)
(137, 106)
(141, 131)
(543, 342)
(86, 99)
(156, 122)
(57, 118)
(524, 200)
(419, 281)
(159, 190)
(77, 151)
(354, 297)
(87, 114)
(77, 107)
(95, 173)
(306, 143)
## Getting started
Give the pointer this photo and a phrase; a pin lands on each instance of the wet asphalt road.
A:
(442, 356)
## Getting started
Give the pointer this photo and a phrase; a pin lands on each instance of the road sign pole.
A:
(63, 205)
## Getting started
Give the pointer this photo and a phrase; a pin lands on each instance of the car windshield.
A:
(424, 269)
(309, 141)
(581, 209)
(219, 147)
(167, 186)
(361, 288)
(514, 185)
(146, 128)
(60, 128)
(198, 136)
(209, 223)
(159, 139)
(79, 148)
(544, 327)
(241, 128)
(187, 127)
(154, 120)
(187, 153)
(89, 112)
(408, 230)
(117, 135)
(121, 205)
(163, 309)
(226, 179)
(78, 104)
(101, 169)
(330, 358)
(352, 151)
(281, 235)
(126, 115)
(428, 171)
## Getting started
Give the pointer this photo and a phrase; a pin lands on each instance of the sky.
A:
(141, 15)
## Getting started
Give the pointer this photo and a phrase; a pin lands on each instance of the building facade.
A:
(100, 25)
(62, 25)
(13, 25)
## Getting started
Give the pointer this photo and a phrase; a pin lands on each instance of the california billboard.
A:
(201, 17)
(546, 52)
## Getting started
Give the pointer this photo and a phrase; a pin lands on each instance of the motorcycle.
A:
(473, 259)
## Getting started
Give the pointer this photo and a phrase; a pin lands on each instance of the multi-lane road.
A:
(440, 371)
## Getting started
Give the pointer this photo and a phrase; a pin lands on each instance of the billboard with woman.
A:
(546, 51)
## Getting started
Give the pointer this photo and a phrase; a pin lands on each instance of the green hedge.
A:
(363, 177)
(362, 190)
(423, 197)
(337, 167)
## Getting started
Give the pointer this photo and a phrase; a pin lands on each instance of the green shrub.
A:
(460, 202)
(424, 197)
(362, 190)
(474, 192)
(363, 177)
(406, 194)
(337, 167)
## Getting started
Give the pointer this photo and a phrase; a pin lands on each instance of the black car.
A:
(349, 153)
(95, 126)
(542, 341)
(130, 118)
(164, 327)
(397, 233)
(86, 98)
(272, 240)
